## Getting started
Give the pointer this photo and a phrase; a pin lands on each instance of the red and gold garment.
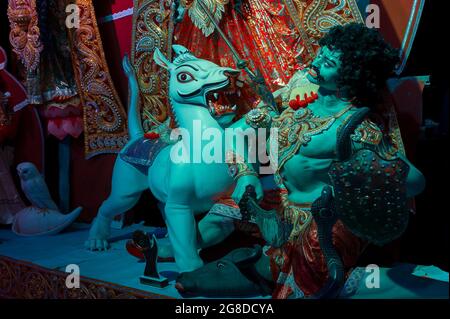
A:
(299, 268)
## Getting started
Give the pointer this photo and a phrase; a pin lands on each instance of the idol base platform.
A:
(35, 267)
(43, 268)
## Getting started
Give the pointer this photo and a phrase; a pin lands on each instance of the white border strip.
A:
(404, 53)
(116, 16)
(21, 105)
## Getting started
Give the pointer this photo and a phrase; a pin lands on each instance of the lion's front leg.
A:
(99, 233)
(127, 186)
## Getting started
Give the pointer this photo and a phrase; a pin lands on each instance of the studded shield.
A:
(370, 196)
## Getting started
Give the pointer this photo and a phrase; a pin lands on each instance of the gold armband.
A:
(258, 118)
(237, 167)
(367, 132)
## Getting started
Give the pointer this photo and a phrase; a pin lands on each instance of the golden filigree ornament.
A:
(24, 280)
(24, 34)
(105, 129)
(395, 135)
(152, 28)
(314, 18)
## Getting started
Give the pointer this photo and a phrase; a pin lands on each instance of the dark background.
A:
(426, 240)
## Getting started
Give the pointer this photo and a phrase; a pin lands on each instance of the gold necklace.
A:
(305, 125)
(296, 128)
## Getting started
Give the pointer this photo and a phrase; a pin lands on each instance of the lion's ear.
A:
(161, 60)
(179, 49)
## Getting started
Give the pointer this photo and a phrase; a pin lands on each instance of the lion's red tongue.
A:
(224, 103)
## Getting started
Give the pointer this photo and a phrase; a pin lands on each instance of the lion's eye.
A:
(185, 77)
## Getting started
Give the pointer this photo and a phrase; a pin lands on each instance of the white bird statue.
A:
(43, 216)
(34, 186)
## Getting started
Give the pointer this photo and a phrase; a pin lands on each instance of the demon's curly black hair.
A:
(366, 61)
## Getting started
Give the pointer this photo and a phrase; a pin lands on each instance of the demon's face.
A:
(324, 70)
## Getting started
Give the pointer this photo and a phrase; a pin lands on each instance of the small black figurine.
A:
(149, 248)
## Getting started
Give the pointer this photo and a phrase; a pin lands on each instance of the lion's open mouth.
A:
(224, 100)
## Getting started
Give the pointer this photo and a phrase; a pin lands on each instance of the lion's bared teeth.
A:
(212, 110)
(239, 93)
(234, 108)
(216, 96)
